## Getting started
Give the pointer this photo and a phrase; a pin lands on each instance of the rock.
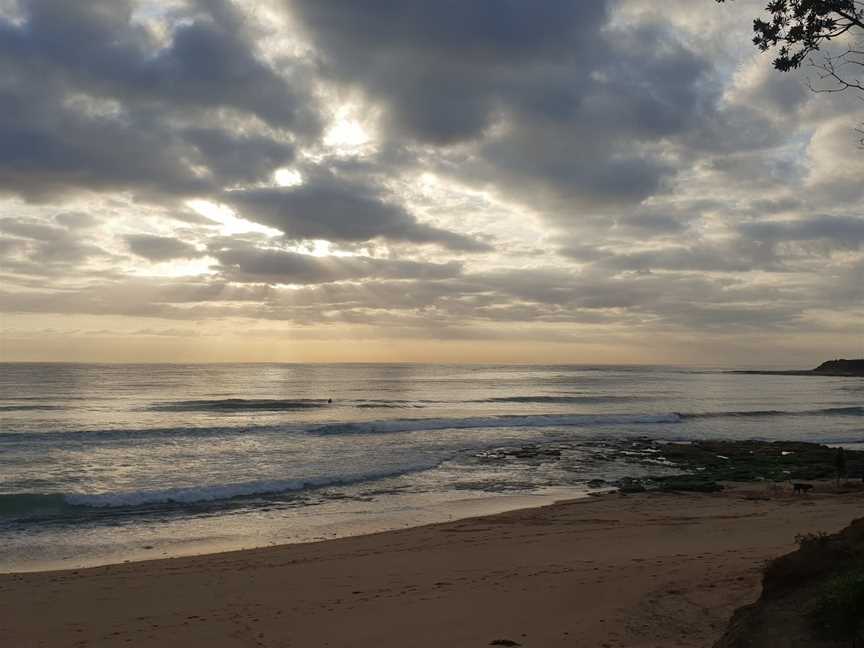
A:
(688, 484)
(630, 486)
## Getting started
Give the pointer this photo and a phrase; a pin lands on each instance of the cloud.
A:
(652, 223)
(561, 170)
(700, 257)
(441, 68)
(39, 248)
(160, 248)
(842, 231)
(555, 105)
(32, 230)
(95, 100)
(76, 220)
(327, 207)
(248, 264)
(235, 158)
(208, 61)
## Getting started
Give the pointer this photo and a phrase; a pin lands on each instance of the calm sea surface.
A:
(104, 463)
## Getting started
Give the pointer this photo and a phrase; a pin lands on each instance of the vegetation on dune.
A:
(812, 597)
(839, 610)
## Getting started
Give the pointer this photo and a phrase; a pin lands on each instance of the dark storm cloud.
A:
(696, 258)
(38, 248)
(160, 248)
(32, 229)
(92, 100)
(76, 220)
(731, 317)
(249, 264)
(442, 68)
(96, 47)
(668, 220)
(235, 158)
(621, 132)
(141, 297)
(562, 291)
(47, 147)
(326, 207)
(558, 104)
(734, 254)
(10, 246)
(653, 223)
(773, 206)
(842, 231)
(778, 93)
(391, 298)
(645, 95)
(849, 287)
(753, 246)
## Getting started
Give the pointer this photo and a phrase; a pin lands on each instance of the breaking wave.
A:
(35, 504)
(561, 399)
(828, 411)
(28, 408)
(239, 405)
(538, 420)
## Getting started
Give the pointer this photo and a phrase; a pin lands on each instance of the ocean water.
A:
(106, 463)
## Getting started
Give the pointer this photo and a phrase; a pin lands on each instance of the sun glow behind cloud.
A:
(346, 135)
(347, 132)
(499, 189)
(176, 268)
(228, 219)
(288, 177)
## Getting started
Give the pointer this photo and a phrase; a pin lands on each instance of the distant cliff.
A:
(841, 368)
(829, 368)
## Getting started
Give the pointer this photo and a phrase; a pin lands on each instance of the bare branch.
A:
(800, 28)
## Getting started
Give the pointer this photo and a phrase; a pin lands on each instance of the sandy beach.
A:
(645, 570)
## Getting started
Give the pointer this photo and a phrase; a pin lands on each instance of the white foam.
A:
(214, 492)
(542, 420)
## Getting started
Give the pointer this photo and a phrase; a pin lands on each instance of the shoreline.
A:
(648, 569)
(345, 523)
(483, 509)
(695, 466)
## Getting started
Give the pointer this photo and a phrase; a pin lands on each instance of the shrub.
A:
(818, 555)
(811, 541)
(839, 610)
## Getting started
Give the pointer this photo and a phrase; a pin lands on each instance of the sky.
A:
(613, 181)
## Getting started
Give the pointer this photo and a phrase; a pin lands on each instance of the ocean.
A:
(104, 463)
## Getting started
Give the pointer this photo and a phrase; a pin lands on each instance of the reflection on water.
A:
(193, 453)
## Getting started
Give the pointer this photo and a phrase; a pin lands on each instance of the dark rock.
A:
(630, 486)
(744, 461)
(687, 483)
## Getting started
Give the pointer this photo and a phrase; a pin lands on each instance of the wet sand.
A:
(647, 570)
